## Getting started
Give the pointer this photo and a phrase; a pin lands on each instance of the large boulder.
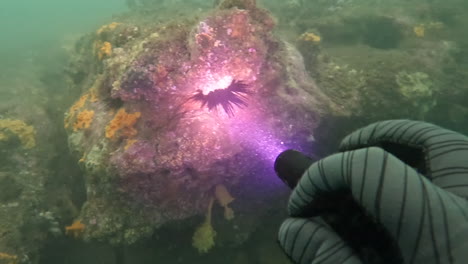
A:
(172, 112)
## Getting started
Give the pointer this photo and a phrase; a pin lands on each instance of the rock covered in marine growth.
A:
(151, 153)
(28, 210)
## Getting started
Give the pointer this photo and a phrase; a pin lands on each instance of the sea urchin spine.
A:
(233, 95)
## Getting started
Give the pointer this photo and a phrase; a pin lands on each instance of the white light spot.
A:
(220, 83)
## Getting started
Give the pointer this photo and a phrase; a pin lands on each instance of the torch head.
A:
(290, 165)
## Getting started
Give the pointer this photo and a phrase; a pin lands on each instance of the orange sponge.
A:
(123, 123)
(83, 120)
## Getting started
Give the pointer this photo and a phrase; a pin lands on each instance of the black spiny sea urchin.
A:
(233, 95)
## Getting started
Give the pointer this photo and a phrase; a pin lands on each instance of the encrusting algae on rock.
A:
(75, 229)
(419, 31)
(104, 49)
(310, 37)
(83, 120)
(24, 132)
(203, 238)
(108, 27)
(93, 95)
(129, 143)
(74, 108)
(8, 259)
(123, 123)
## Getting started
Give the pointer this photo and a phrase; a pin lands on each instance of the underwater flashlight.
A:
(290, 165)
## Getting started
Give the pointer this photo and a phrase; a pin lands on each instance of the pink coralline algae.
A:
(137, 159)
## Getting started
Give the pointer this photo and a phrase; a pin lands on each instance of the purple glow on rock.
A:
(262, 141)
(256, 135)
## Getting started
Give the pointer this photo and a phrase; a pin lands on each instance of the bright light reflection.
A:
(212, 83)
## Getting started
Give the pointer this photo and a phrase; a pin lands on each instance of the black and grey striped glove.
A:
(410, 177)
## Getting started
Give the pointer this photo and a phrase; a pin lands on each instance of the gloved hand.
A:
(410, 177)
